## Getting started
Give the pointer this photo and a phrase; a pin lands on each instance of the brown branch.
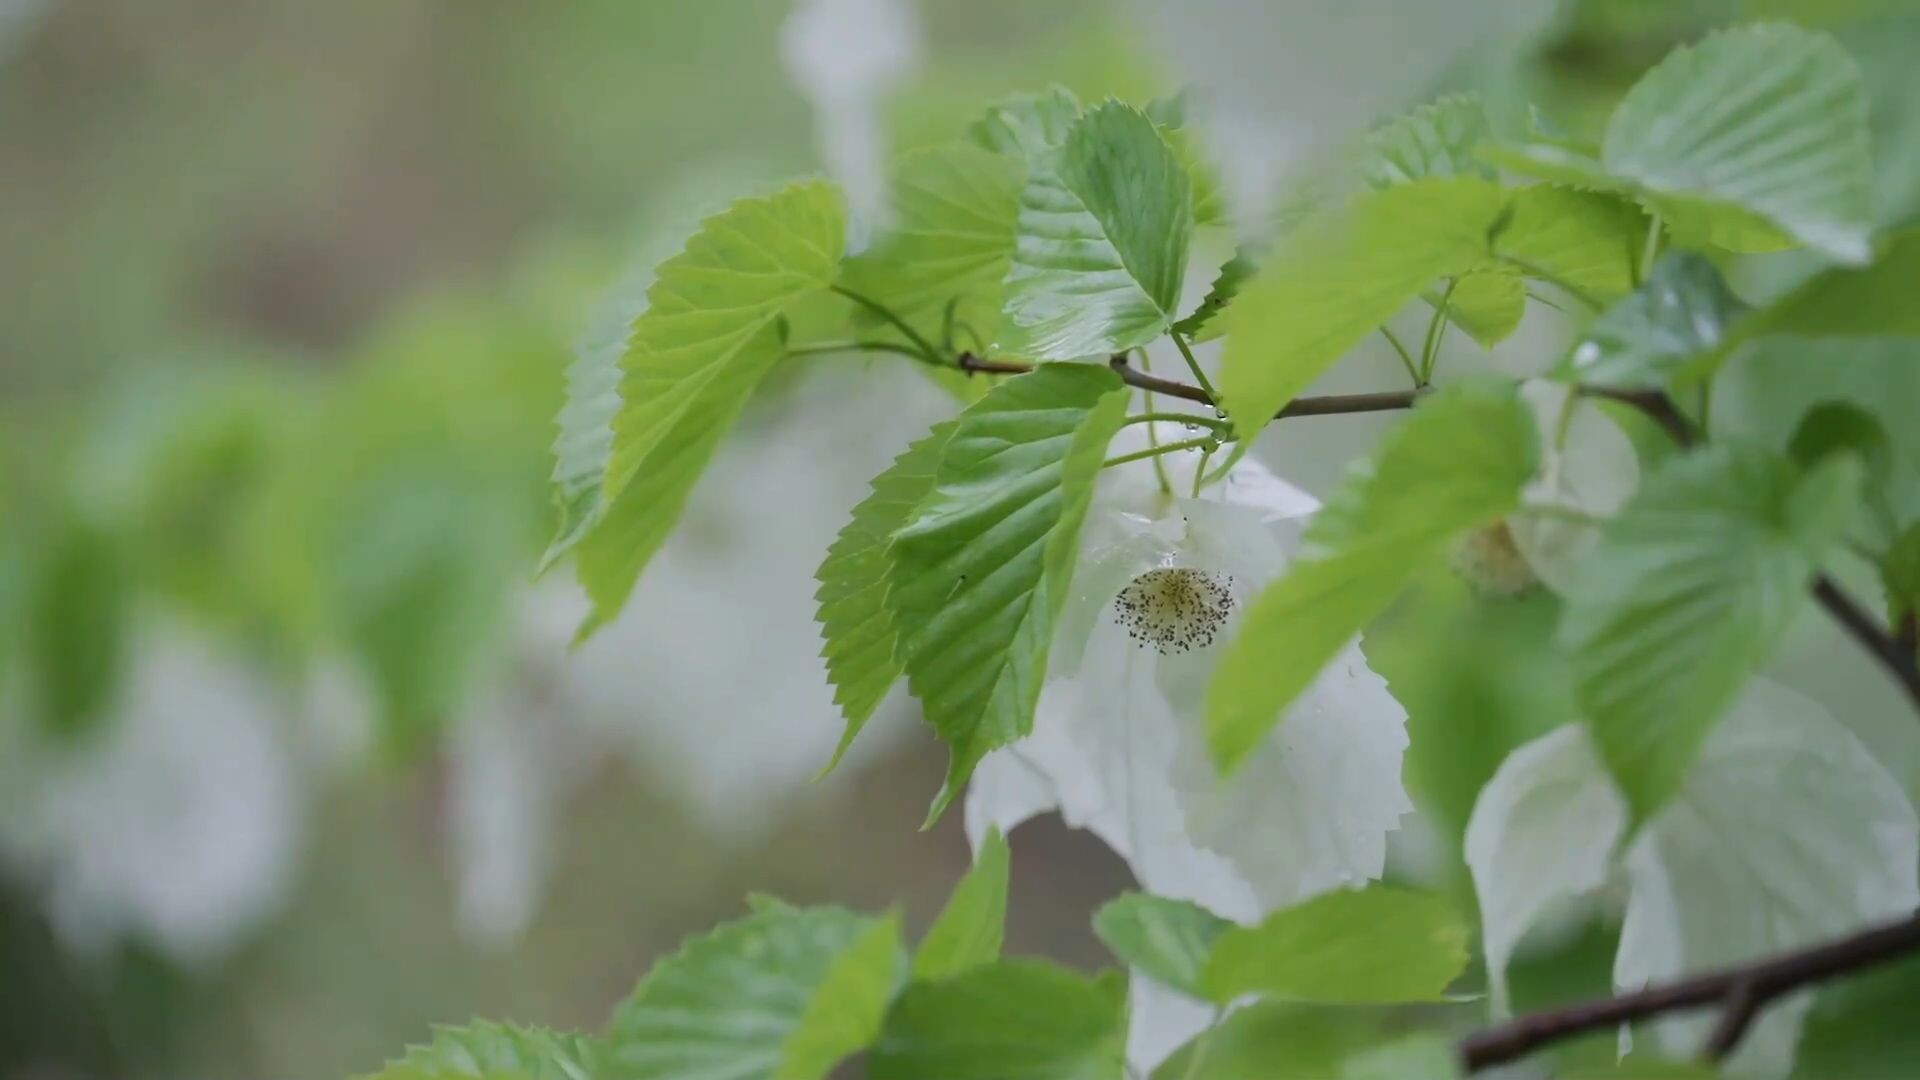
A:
(1325, 405)
(1744, 991)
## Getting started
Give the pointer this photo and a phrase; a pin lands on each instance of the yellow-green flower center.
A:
(1175, 609)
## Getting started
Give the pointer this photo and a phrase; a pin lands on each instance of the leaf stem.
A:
(931, 354)
(1153, 437)
(1193, 365)
(828, 347)
(1436, 330)
(1400, 350)
(1156, 451)
(1648, 251)
(1189, 419)
(1532, 270)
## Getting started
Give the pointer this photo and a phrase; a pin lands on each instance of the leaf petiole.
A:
(931, 354)
(1193, 365)
(1164, 448)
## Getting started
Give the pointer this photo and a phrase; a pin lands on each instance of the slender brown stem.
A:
(1326, 405)
(1743, 990)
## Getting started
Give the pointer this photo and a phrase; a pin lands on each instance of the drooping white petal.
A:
(1542, 831)
(1159, 1020)
(1786, 832)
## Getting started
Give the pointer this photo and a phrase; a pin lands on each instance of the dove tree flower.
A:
(1117, 746)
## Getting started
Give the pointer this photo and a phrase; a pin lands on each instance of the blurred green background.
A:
(293, 759)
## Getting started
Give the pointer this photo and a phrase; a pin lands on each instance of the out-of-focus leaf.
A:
(1766, 122)
(1377, 945)
(1165, 938)
(1684, 314)
(75, 619)
(1201, 325)
(1685, 596)
(1012, 1020)
(1586, 240)
(1026, 126)
(1435, 139)
(1488, 305)
(969, 930)
(1868, 301)
(782, 994)
(488, 1051)
(1458, 462)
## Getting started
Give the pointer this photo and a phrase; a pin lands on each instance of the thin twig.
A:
(1765, 979)
(1744, 1002)
(1325, 405)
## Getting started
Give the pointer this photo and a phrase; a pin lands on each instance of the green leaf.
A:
(1271, 1040)
(488, 1051)
(1435, 139)
(969, 930)
(1336, 279)
(706, 339)
(1013, 1020)
(1377, 945)
(1424, 1056)
(76, 614)
(1488, 305)
(1583, 240)
(1457, 463)
(1766, 122)
(1843, 302)
(1165, 938)
(981, 570)
(782, 994)
(862, 642)
(1840, 427)
(584, 442)
(948, 248)
(1684, 316)
(1103, 232)
(1209, 201)
(1026, 126)
(1687, 593)
(1900, 574)
(1201, 324)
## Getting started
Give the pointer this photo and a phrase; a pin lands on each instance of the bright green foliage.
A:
(1687, 593)
(1209, 201)
(981, 569)
(969, 930)
(1750, 140)
(707, 337)
(74, 626)
(1436, 139)
(782, 994)
(486, 1051)
(1013, 1020)
(1026, 126)
(1377, 945)
(1167, 939)
(861, 640)
(1488, 304)
(1900, 574)
(949, 246)
(1766, 122)
(1457, 463)
(1201, 324)
(1276, 1041)
(1334, 281)
(1683, 315)
(1854, 302)
(1103, 231)
(1583, 240)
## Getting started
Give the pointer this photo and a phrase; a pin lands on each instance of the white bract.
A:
(1117, 745)
(1785, 832)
